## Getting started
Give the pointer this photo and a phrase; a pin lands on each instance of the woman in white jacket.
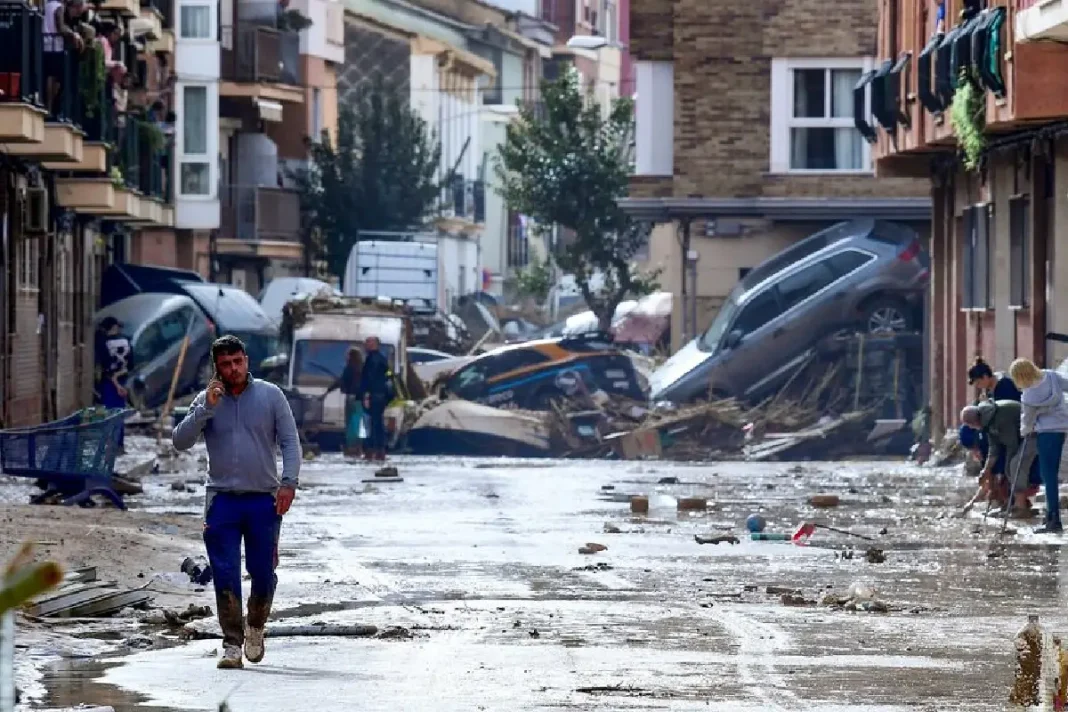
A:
(1044, 413)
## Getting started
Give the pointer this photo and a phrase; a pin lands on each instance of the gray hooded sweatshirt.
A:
(242, 434)
(1044, 407)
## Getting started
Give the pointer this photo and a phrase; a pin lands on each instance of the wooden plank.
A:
(62, 604)
(82, 575)
(111, 604)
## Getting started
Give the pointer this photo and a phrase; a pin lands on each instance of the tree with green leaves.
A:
(564, 163)
(378, 174)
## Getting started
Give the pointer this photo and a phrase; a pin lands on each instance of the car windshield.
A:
(711, 339)
(318, 362)
(258, 346)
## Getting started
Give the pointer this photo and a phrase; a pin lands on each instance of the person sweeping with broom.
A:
(1006, 458)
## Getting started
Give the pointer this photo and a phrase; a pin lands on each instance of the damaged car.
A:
(868, 276)
(533, 374)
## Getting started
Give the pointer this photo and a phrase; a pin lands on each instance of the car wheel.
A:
(887, 316)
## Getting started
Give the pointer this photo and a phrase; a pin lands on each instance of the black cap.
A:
(109, 322)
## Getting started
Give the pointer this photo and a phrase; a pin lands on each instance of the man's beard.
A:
(235, 380)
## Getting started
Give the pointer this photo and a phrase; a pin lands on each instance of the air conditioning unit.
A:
(36, 211)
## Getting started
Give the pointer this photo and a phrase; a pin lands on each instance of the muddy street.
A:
(479, 561)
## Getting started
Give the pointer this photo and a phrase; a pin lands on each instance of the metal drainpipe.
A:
(684, 290)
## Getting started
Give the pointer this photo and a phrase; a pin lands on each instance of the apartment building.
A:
(277, 89)
(745, 140)
(423, 52)
(80, 182)
(977, 105)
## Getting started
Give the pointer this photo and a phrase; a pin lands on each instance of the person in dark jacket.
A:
(376, 391)
(999, 421)
(114, 359)
(350, 383)
(994, 386)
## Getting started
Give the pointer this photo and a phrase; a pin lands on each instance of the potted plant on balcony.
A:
(152, 136)
(967, 116)
(92, 78)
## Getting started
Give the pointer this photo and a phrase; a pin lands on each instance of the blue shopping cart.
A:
(72, 458)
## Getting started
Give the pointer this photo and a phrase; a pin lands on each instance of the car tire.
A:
(887, 314)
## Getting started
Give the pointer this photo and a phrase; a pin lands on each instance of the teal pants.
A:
(353, 421)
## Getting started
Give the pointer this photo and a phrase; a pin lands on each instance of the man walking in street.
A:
(376, 387)
(243, 420)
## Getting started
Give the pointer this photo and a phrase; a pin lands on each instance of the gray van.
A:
(865, 275)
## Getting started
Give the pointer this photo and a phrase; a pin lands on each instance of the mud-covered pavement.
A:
(479, 559)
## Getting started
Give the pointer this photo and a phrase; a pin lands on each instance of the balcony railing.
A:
(261, 54)
(518, 247)
(464, 199)
(144, 158)
(21, 68)
(260, 213)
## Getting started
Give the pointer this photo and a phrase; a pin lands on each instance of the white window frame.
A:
(213, 31)
(208, 157)
(782, 118)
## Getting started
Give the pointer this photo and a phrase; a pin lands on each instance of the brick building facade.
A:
(745, 140)
(998, 252)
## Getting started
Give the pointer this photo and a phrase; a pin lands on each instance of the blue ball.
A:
(755, 523)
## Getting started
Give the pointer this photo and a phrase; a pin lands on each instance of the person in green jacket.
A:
(999, 421)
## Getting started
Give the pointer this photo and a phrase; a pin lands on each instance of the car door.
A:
(170, 330)
(811, 304)
(755, 356)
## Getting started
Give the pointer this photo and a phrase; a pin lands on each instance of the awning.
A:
(269, 110)
(925, 70)
(986, 49)
(961, 49)
(779, 209)
(860, 107)
(885, 91)
(883, 106)
(945, 77)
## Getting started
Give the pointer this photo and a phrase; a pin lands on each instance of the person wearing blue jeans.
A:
(243, 419)
(1045, 413)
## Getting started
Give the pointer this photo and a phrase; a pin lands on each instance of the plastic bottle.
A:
(1026, 684)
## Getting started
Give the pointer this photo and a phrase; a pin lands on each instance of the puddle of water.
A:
(71, 683)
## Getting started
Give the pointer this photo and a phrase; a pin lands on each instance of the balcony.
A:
(1041, 20)
(22, 114)
(913, 90)
(159, 14)
(255, 214)
(464, 200)
(61, 141)
(126, 8)
(261, 62)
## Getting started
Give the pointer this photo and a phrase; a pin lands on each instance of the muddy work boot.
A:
(254, 646)
(231, 658)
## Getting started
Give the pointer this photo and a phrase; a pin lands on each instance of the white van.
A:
(319, 348)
